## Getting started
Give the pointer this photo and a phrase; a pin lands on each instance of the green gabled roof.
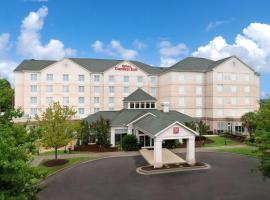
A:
(34, 65)
(139, 95)
(150, 123)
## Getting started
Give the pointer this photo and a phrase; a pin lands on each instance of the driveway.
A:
(230, 178)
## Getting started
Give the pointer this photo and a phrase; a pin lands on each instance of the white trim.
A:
(176, 122)
(141, 118)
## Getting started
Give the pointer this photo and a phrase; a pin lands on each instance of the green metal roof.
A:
(139, 95)
(150, 123)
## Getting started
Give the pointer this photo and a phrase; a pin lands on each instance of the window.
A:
(33, 111)
(111, 79)
(147, 105)
(221, 126)
(126, 79)
(199, 78)
(220, 100)
(81, 88)
(96, 100)
(198, 113)
(198, 101)
(96, 110)
(246, 77)
(65, 100)
(49, 100)
(153, 91)
(96, 89)
(65, 77)
(247, 100)
(181, 101)
(33, 77)
(220, 113)
(111, 99)
(49, 88)
(81, 100)
(81, 111)
(233, 89)
(199, 90)
(219, 76)
(233, 100)
(153, 105)
(33, 100)
(126, 90)
(140, 79)
(33, 88)
(81, 77)
(96, 78)
(227, 77)
(247, 89)
(137, 105)
(182, 78)
(220, 88)
(142, 104)
(49, 77)
(65, 88)
(233, 77)
(182, 89)
(111, 89)
(131, 105)
(153, 80)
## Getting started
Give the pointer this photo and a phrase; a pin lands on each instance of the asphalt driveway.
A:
(230, 178)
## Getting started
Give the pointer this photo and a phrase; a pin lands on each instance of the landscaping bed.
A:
(53, 163)
(173, 166)
(94, 148)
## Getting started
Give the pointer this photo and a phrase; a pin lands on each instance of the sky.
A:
(159, 33)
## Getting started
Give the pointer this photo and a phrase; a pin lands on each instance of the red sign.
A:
(176, 130)
(126, 68)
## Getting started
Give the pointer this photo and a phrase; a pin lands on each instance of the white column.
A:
(190, 155)
(112, 137)
(158, 153)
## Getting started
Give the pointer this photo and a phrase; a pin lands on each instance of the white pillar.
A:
(158, 153)
(112, 138)
(190, 155)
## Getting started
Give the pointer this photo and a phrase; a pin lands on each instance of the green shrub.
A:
(130, 143)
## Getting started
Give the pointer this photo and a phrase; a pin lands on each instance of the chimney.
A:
(165, 106)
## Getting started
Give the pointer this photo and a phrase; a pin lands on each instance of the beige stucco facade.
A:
(219, 96)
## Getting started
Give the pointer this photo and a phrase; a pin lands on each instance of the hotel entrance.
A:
(145, 141)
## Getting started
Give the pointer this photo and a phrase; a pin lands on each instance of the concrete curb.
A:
(139, 170)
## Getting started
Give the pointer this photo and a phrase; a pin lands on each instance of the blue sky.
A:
(156, 32)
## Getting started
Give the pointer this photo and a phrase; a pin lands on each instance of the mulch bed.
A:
(94, 148)
(53, 163)
(198, 143)
(173, 166)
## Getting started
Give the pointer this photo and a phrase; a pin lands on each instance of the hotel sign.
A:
(176, 130)
(125, 68)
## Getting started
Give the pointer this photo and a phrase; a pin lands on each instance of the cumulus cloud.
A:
(169, 53)
(114, 48)
(138, 44)
(29, 44)
(252, 46)
(6, 65)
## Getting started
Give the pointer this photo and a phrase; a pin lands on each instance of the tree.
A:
(192, 125)
(249, 121)
(18, 180)
(101, 129)
(57, 128)
(262, 137)
(6, 95)
(84, 132)
(202, 128)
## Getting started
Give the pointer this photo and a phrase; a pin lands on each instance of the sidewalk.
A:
(38, 159)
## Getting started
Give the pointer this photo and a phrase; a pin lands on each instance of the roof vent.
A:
(165, 106)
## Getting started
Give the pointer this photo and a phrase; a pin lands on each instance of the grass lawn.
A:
(248, 151)
(60, 152)
(71, 161)
(220, 141)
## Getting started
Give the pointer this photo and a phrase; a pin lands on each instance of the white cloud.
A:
(6, 64)
(114, 48)
(169, 54)
(138, 44)
(29, 44)
(252, 46)
(214, 24)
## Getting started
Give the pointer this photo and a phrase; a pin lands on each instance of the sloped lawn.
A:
(220, 141)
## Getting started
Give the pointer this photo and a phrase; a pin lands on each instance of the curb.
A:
(139, 170)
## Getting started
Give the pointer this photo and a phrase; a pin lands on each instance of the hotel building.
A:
(219, 92)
